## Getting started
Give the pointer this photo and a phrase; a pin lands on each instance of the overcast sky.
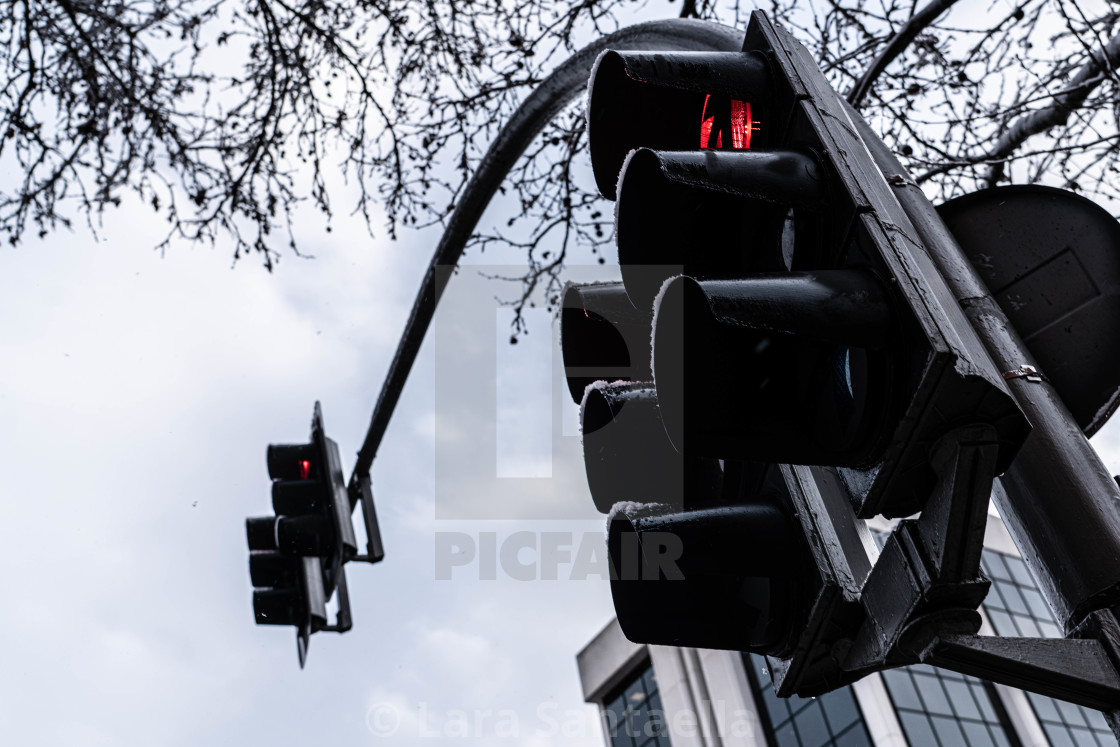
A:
(137, 396)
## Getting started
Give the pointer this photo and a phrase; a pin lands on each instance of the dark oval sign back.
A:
(1051, 259)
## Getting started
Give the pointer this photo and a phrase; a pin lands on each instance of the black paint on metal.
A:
(796, 358)
(628, 456)
(602, 337)
(1078, 671)
(927, 580)
(715, 215)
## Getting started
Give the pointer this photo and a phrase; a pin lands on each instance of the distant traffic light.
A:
(296, 557)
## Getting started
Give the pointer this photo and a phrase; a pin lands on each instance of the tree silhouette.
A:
(225, 116)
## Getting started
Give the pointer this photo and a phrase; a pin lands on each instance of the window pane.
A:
(929, 687)
(1027, 626)
(1059, 735)
(977, 734)
(635, 694)
(840, 709)
(984, 700)
(1082, 736)
(1045, 708)
(954, 709)
(1038, 607)
(856, 736)
(1049, 629)
(1014, 600)
(1019, 571)
(961, 698)
(994, 565)
(918, 730)
(902, 690)
(786, 736)
(1071, 714)
(831, 720)
(948, 730)
(650, 680)
(1002, 622)
(812, 728)
(634, 716)
(1096, 720)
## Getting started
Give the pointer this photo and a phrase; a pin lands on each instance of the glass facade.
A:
(939, 708)
(830, 720)
(1016, 608)
(634, 715)
(934, 707)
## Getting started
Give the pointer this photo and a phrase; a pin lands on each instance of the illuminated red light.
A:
(304, 469)
(740, 125)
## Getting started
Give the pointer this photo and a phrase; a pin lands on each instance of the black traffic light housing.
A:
(297, 557)
(864, 378)
(805, 358)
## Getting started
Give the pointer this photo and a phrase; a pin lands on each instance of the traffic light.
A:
(296, 557)
(805, 355)
(780, 272)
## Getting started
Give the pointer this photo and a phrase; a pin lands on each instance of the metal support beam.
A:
(927, 582)
(1078, 671)
(1059, 503)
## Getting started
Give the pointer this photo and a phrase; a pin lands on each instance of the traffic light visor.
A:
(713, 578)
(672, 101)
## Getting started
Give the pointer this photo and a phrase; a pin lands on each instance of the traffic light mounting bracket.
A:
(926, 583)
(361, 492)
(918, 602)
(343, 620)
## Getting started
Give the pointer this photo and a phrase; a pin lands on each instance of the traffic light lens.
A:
(730, 116)
(261, 532)
(302, 535)
(809, 378)
(291, 461)
(671, 220)
(277, 606)
(272, 569)
(789, 240)
(717, 577)
(294, 497)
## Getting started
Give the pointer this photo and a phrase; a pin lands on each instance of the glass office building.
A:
(653, 696)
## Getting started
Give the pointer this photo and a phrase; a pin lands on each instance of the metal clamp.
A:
(1030, 373)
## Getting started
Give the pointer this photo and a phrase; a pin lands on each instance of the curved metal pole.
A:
(550, 97)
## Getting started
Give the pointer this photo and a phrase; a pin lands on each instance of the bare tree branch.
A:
(902, 39)
(1066, 102)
